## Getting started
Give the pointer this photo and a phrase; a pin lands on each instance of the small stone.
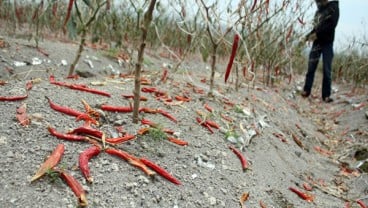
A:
(212, 200)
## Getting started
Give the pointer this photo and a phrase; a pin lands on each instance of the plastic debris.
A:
(36, 61)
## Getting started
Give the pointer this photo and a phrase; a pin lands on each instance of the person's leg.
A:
(327, 52)
(314, 56)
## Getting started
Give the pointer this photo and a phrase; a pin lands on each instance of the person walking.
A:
(322, 36)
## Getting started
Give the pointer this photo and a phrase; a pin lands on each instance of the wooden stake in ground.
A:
(138, 66)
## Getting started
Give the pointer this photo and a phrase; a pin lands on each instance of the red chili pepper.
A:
(361, 203)
(119, 140)
(75, 186)
(84, 158)
(181, 98)
(51, 162)
(167, 115)
(254, 5)
(304, 196)
(149, 89)
(90, 90)
(204, 124)
(177, 141)
(132, 97)
(297, 141)
(147, 110)
(13, 98)
(160, 171)
(208, 108)
(29, 85)
(65, 110)
(232, 56)
(131, 159)
(120, 109)
(148, 122)
(242, 159)
(69, 137)
(87, 130)
(69, 11)
(212, 124)
(119, 153)
(347, 205)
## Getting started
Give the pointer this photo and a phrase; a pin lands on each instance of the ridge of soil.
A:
(279, 134)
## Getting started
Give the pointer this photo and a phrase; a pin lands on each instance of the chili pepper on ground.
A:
(208, 108)
(177, 141)
(63, 109)
(29, 85)
(76, 187)
(149, 89)
(90, 90)
(69, 137)
(160, 171)
(304, 196)
(242, 159)
(167, 115)
(142, 98)
(51, 162)
(84, 158)
(232, 56)
(87, 118)
(143, 131)
(182, 98)
(297, 141)
(212, 124)
(204, 124)
(261, 204)
(147, 110)
(13, 98)
(120, 109)
(87, 130)
(130, 159)
(361, 203)
(119, 140)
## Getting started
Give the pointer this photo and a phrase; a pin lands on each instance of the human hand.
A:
(312, 37)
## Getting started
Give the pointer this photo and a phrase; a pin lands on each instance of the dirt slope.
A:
(274, 128)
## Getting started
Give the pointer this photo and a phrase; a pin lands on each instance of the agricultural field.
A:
(160, 104)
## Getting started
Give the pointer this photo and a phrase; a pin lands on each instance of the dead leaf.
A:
(244, 197)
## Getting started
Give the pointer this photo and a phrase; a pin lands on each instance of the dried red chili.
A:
(120, 109)
(13, 98)
(51, 162)
(84, 158)
(88, 131)
(76, 187)
(361, 203)
(212, 124)
(142, 98)
(304, 196)
(63, 109)
(160, 171)
(167, 115)
(242, 159)
(254, 5)
(232, 56)
(204, 124)
(120, 140)
(69, 137)
(130, 159)
(177, 141)
(164, 75)
(208, 108)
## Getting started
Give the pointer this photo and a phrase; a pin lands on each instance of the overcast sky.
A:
(353, 21)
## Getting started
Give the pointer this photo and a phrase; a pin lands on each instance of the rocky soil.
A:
(288, 141)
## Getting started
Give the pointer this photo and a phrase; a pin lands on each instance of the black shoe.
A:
(305, 94)
(327, 100)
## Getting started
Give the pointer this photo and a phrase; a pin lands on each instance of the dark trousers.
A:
(327, 55)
